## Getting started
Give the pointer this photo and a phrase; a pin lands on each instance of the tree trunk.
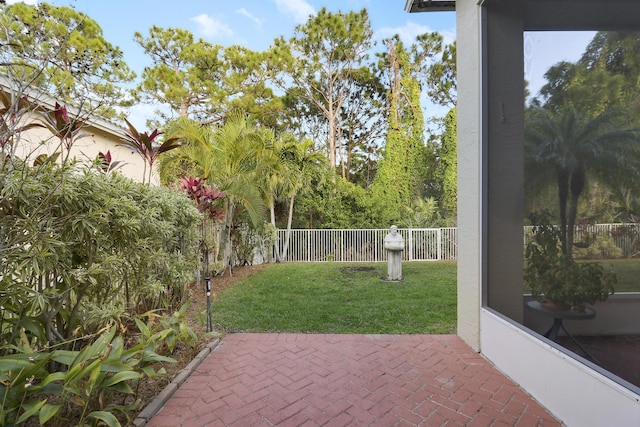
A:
(274, 246)
(562, 177)
(577, 187)
(289, 220)
(226, 253)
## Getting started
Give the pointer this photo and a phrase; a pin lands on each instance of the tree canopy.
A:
(327, 84)
(63, 53)
(582, 131)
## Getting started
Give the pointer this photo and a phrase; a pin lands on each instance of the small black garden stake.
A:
(207, 281)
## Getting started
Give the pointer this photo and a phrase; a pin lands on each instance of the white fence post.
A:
(410, 245)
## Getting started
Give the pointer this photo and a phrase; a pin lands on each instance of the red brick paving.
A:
(348, 380)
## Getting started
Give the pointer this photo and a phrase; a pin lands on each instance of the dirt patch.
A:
(196, 318)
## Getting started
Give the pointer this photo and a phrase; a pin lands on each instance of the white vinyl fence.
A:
(625, 236)
(426, 244)
(421, 244)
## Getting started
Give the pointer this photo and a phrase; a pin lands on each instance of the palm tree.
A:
(569, 147)
(228, 157)
(274, 171)
(302, 163)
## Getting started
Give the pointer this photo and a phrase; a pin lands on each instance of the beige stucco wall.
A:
(94, 138)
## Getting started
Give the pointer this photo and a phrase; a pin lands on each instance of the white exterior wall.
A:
(470, 173)
(570, 388)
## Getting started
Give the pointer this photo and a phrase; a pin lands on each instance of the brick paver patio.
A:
(348, 380)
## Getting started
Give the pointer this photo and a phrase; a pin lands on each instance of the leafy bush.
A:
(89, 385)
(602, 247)
(80, 249)
(339, 205)
(549, 275)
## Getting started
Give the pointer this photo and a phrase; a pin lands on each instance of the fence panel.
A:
(434, 244)
(625, 236)
(366, 245)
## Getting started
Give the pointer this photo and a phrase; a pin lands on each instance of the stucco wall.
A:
(90, 141)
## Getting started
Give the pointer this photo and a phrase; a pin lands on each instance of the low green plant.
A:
(597, 249)
(550, 276)
(167, 330)
(87, 386)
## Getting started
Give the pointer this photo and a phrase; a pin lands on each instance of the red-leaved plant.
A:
(203, 195)
(64, 127)
(106, 163)
(145, 145)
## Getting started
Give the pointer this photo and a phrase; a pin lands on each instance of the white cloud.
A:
(245, 12)
(32, 2)
(212, 27)
(300, 10)
(409, 31)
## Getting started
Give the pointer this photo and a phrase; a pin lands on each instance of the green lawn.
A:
(628, 272)
(341, 298)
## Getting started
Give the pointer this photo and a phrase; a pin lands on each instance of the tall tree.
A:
(321, 60)
(402, 169)
(185, 74)
(618, 53)
(63, 52)
(302, 164)
(569, 147)
(441, 78)
(603, 80)
(362, 126)
(447, 172)
(205, 82)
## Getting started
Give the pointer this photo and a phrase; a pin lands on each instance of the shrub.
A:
(551, 276)
(602, 247)
(81, 249)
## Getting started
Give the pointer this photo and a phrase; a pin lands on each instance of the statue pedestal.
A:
(394, 265)
(394, 244)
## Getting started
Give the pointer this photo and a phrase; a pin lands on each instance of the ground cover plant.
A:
(341, 298)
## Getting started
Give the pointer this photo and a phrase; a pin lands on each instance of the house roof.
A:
(413, 6)
(49, 102)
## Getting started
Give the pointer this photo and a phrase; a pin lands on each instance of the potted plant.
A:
(558, 281)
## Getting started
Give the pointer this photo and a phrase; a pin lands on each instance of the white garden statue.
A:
(394, 244)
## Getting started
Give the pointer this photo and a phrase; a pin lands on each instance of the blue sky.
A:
(251, 23)
(256, 23)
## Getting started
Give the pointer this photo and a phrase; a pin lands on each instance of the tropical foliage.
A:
(147, 147)
(89, 259)
(551, 276)
(582, 136)
(93, 264)
(568, 147)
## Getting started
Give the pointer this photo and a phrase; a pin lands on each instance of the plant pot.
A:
(550, 305)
